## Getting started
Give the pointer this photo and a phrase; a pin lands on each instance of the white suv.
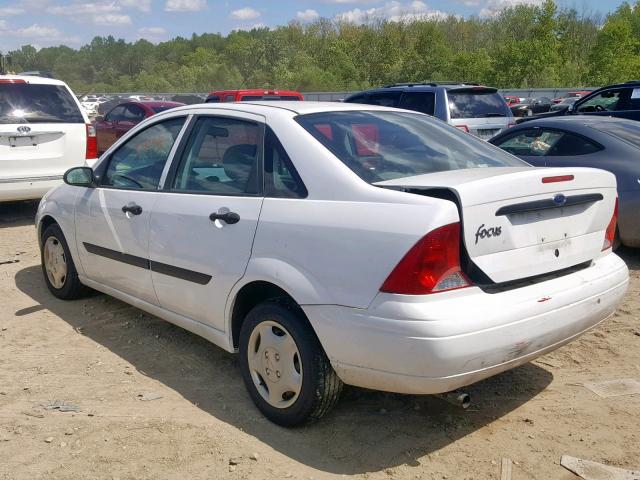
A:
(43, 132)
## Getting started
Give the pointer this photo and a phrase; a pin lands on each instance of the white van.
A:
(43, 132)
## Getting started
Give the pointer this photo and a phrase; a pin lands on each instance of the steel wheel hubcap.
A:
(55, 262)
(275, 364)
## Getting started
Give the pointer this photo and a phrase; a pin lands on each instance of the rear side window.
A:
(138, 163)
(423, 102)
(476, 104)
(162, 109)
(281, 178)
(384, 99)
(221, 158)
(33, 103)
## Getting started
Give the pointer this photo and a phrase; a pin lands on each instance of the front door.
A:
(203, 224)
(113, 219)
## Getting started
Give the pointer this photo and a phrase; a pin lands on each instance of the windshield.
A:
(380, 145)
(33, 103)
(474, 104)
(626, 131)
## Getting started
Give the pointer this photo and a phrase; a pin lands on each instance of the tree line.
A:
(525, 46)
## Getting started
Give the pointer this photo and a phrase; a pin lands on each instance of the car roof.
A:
(33, 79)
(256, 91)
(155, 103)
(295, 107)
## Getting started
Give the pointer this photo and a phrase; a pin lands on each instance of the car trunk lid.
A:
(520, 222)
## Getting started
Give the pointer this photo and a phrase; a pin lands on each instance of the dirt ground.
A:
(112, 361)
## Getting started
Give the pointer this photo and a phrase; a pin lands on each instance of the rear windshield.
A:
(473, 104)
(380, 145)
(249, 98)
(626, 131)
(32, 103)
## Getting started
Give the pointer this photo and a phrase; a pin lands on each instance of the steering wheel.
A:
(599, 108)
(127, 179)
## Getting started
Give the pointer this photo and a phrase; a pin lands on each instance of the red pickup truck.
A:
(253, 95)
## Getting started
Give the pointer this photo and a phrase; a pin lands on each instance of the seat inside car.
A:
(240, 165)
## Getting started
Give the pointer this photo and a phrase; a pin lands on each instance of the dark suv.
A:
(473, 108)
(621, 100)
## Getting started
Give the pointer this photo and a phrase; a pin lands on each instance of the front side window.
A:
(138, 163)
(133, 113)
(607, 101)
(36, 103)
(379, 145)
(555, 143)
(221, 158)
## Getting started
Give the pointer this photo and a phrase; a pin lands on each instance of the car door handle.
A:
(228, 217)
(132, 208)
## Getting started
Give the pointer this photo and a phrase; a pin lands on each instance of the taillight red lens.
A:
(92, 143)
(558, 178)
(463, 128)
(432, 265)
(610, 233)
(12, 80)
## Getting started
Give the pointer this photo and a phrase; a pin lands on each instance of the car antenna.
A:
(244, 79)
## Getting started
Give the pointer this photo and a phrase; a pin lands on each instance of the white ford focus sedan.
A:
(338, 243)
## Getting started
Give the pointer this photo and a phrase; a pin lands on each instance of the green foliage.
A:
(522, 46)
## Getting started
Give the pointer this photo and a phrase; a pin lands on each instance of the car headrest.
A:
(239, 160)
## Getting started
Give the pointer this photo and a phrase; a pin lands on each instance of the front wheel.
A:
(284, 367)
(58, 268)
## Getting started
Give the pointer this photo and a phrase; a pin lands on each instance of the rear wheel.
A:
(58, 268)
(284, 367)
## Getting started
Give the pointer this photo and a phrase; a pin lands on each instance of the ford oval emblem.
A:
(24, 129)
(559, 200)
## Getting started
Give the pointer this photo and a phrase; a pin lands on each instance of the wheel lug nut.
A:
(277, 374)
(277, 357)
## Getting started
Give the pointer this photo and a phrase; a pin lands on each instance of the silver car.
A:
(473, 108)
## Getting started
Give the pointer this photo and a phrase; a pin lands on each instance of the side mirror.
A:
(99, 118)
(79, 177)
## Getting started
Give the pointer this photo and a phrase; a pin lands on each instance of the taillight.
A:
(558, 178)
(12, 80)
(464, 128)
(432, 265)
(92, 143)
(610, 233)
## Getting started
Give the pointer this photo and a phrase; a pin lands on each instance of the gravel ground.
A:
(154, 401)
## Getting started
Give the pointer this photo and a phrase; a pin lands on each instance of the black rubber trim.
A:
(548, 204)
(163, 268)
(525, 282)
(181, 273)
(118, 256)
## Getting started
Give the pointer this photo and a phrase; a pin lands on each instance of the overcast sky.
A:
(72, 22)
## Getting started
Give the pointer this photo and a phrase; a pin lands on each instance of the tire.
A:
(319, 386)
(66, 286)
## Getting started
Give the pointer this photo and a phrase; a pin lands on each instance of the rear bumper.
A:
(437, 343)
(12, 189)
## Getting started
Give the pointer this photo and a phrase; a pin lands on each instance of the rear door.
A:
(204, 222)
(112, 219)
(42, 130)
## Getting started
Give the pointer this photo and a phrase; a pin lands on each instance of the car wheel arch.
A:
(45, 222)
(253, 294)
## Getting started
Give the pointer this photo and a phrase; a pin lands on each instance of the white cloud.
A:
(246, 13)
(185, 5)
(142, 5)
(3, 25)
(7, 11)
(360, 2)
(308, 15)
(393, 11)
(112, 20)
(494, 7)
(40, 33)
(83, 9)
(152, 34)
